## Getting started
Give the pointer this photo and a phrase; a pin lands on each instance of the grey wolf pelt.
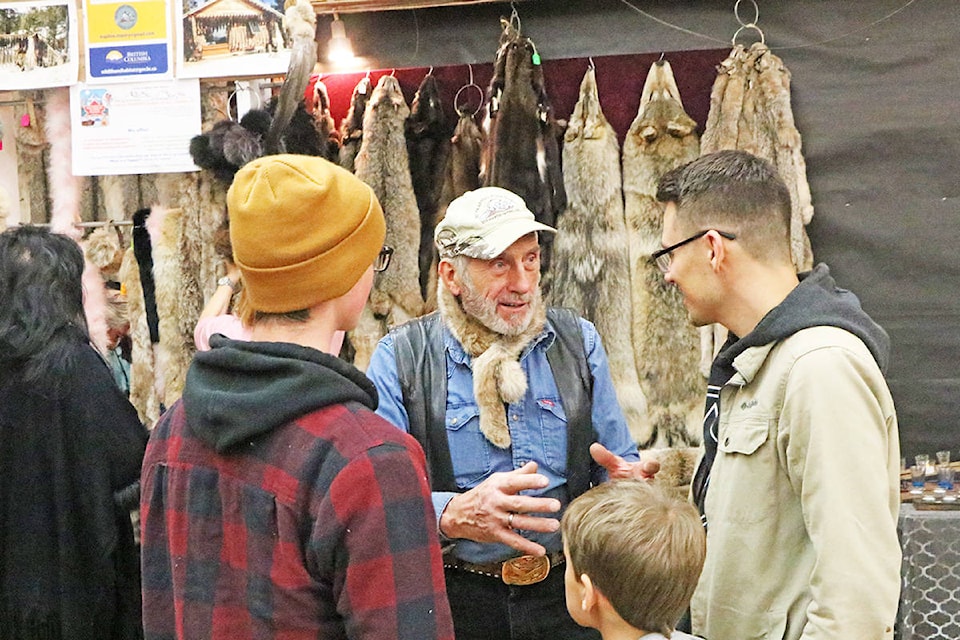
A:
(143, 394)
(666, 345)
(590, 271)
(428, 146)
(750, 110)
(351, 127)
(521, 151)
(383, 164)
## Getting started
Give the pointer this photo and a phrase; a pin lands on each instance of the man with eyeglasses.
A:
(515, 408)
(275, 503)
(799, 483)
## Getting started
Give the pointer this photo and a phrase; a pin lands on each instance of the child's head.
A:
(641, 549)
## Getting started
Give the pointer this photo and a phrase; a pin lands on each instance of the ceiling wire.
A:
(799, 46)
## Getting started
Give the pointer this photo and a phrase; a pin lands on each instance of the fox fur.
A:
(327, 133)
(428, 146)
(351, 127)
(590, 271)
(382, 163)
(143, 394)
(666, 345)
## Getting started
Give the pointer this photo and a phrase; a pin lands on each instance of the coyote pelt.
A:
(351, 127)
(677, 466)
(382, 163)
(143, 395)
(590, 272)
(750, 111)
(666, 346)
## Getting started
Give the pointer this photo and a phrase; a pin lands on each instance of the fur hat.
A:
(303, 231)
(483, 223)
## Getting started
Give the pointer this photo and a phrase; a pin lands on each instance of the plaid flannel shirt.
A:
(322, 528)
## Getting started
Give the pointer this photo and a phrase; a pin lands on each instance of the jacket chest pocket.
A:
(469, 449)
(553, 433)
(743, 480)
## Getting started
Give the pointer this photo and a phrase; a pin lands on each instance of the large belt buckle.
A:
(525, 570)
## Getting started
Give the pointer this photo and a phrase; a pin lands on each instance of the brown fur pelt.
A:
(462, 174)
(120, 195)
(102, 248)
(522, 152)
(351, 127)
(329, 137)
(428, 146)
(677, 466)
(31, 144)
(143, 395)
(750, 110)
(590, 271)
(666, 346)
(383, 164)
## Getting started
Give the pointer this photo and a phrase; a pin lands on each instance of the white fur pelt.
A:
(666, 345)
(144, 395)
(383, 164)
(750, 111)
(590, 271)
(64, 186)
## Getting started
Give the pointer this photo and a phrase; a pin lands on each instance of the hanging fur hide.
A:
(327, 134)
(590, 271)
(31, 176)
(143, 394)
(64, 186)
(428, 146)
(661, 137)
(750, 111)
(120, 195)
(383, 164)
(351, 128)
(522, 152)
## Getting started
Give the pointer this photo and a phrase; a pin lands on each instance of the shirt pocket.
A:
(745, 474)
(469, 449)
(553, 433)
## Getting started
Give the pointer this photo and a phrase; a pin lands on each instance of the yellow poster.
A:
(127, 21)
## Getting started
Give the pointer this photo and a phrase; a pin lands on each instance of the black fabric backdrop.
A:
(876, 88)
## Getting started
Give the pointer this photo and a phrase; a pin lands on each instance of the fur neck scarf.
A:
(498, 377)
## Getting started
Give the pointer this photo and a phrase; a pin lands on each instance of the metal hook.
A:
(590, 62)
(515, 17)
(662, 54)
(456, 98)
(733, 41)
(430, 72)
(470, 68)
(756, 14)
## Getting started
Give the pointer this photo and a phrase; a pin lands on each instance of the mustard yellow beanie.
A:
(303, 231)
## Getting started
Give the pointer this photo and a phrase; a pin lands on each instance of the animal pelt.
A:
(64, 186)
(229, 145)
(677, 466)
(351, 127)
(590, 271)
(327, 134)
(666, 346)
(143, 393)
(143, 252)
(102, 248)
(522, 152)
(95, 305)
(383, 164)
(31, 174)
(428, 146)
(750, 110)
(462, 174)
(4, 207)
(300, 27)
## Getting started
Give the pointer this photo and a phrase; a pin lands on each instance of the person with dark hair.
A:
(799, 483)
(276, 503)
(70, 453)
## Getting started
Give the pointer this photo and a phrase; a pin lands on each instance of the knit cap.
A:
(303, 231)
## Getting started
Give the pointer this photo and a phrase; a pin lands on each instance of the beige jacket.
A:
(803, 498)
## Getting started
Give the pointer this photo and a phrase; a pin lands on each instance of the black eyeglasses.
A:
(383, 259)
(662, 258)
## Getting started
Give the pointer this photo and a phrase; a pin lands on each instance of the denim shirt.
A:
(538, 425)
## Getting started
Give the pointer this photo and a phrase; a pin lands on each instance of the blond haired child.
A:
(633, 557)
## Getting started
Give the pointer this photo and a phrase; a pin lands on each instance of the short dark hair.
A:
(42, 293)
(733, 191)
(642, 549)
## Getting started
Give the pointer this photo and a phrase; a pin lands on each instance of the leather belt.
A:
(519, 571)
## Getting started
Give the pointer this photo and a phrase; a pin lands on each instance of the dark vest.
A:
(421, 368)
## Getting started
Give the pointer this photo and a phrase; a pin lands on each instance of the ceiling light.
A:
(339, 50)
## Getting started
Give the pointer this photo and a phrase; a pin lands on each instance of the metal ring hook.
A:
(470, 68)
(515, 17)
(456, 99)
(733, 40)
(756, 14)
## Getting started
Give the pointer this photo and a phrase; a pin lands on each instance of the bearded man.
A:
(515, 409)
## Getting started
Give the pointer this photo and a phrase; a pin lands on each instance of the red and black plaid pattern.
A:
(322, 528)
